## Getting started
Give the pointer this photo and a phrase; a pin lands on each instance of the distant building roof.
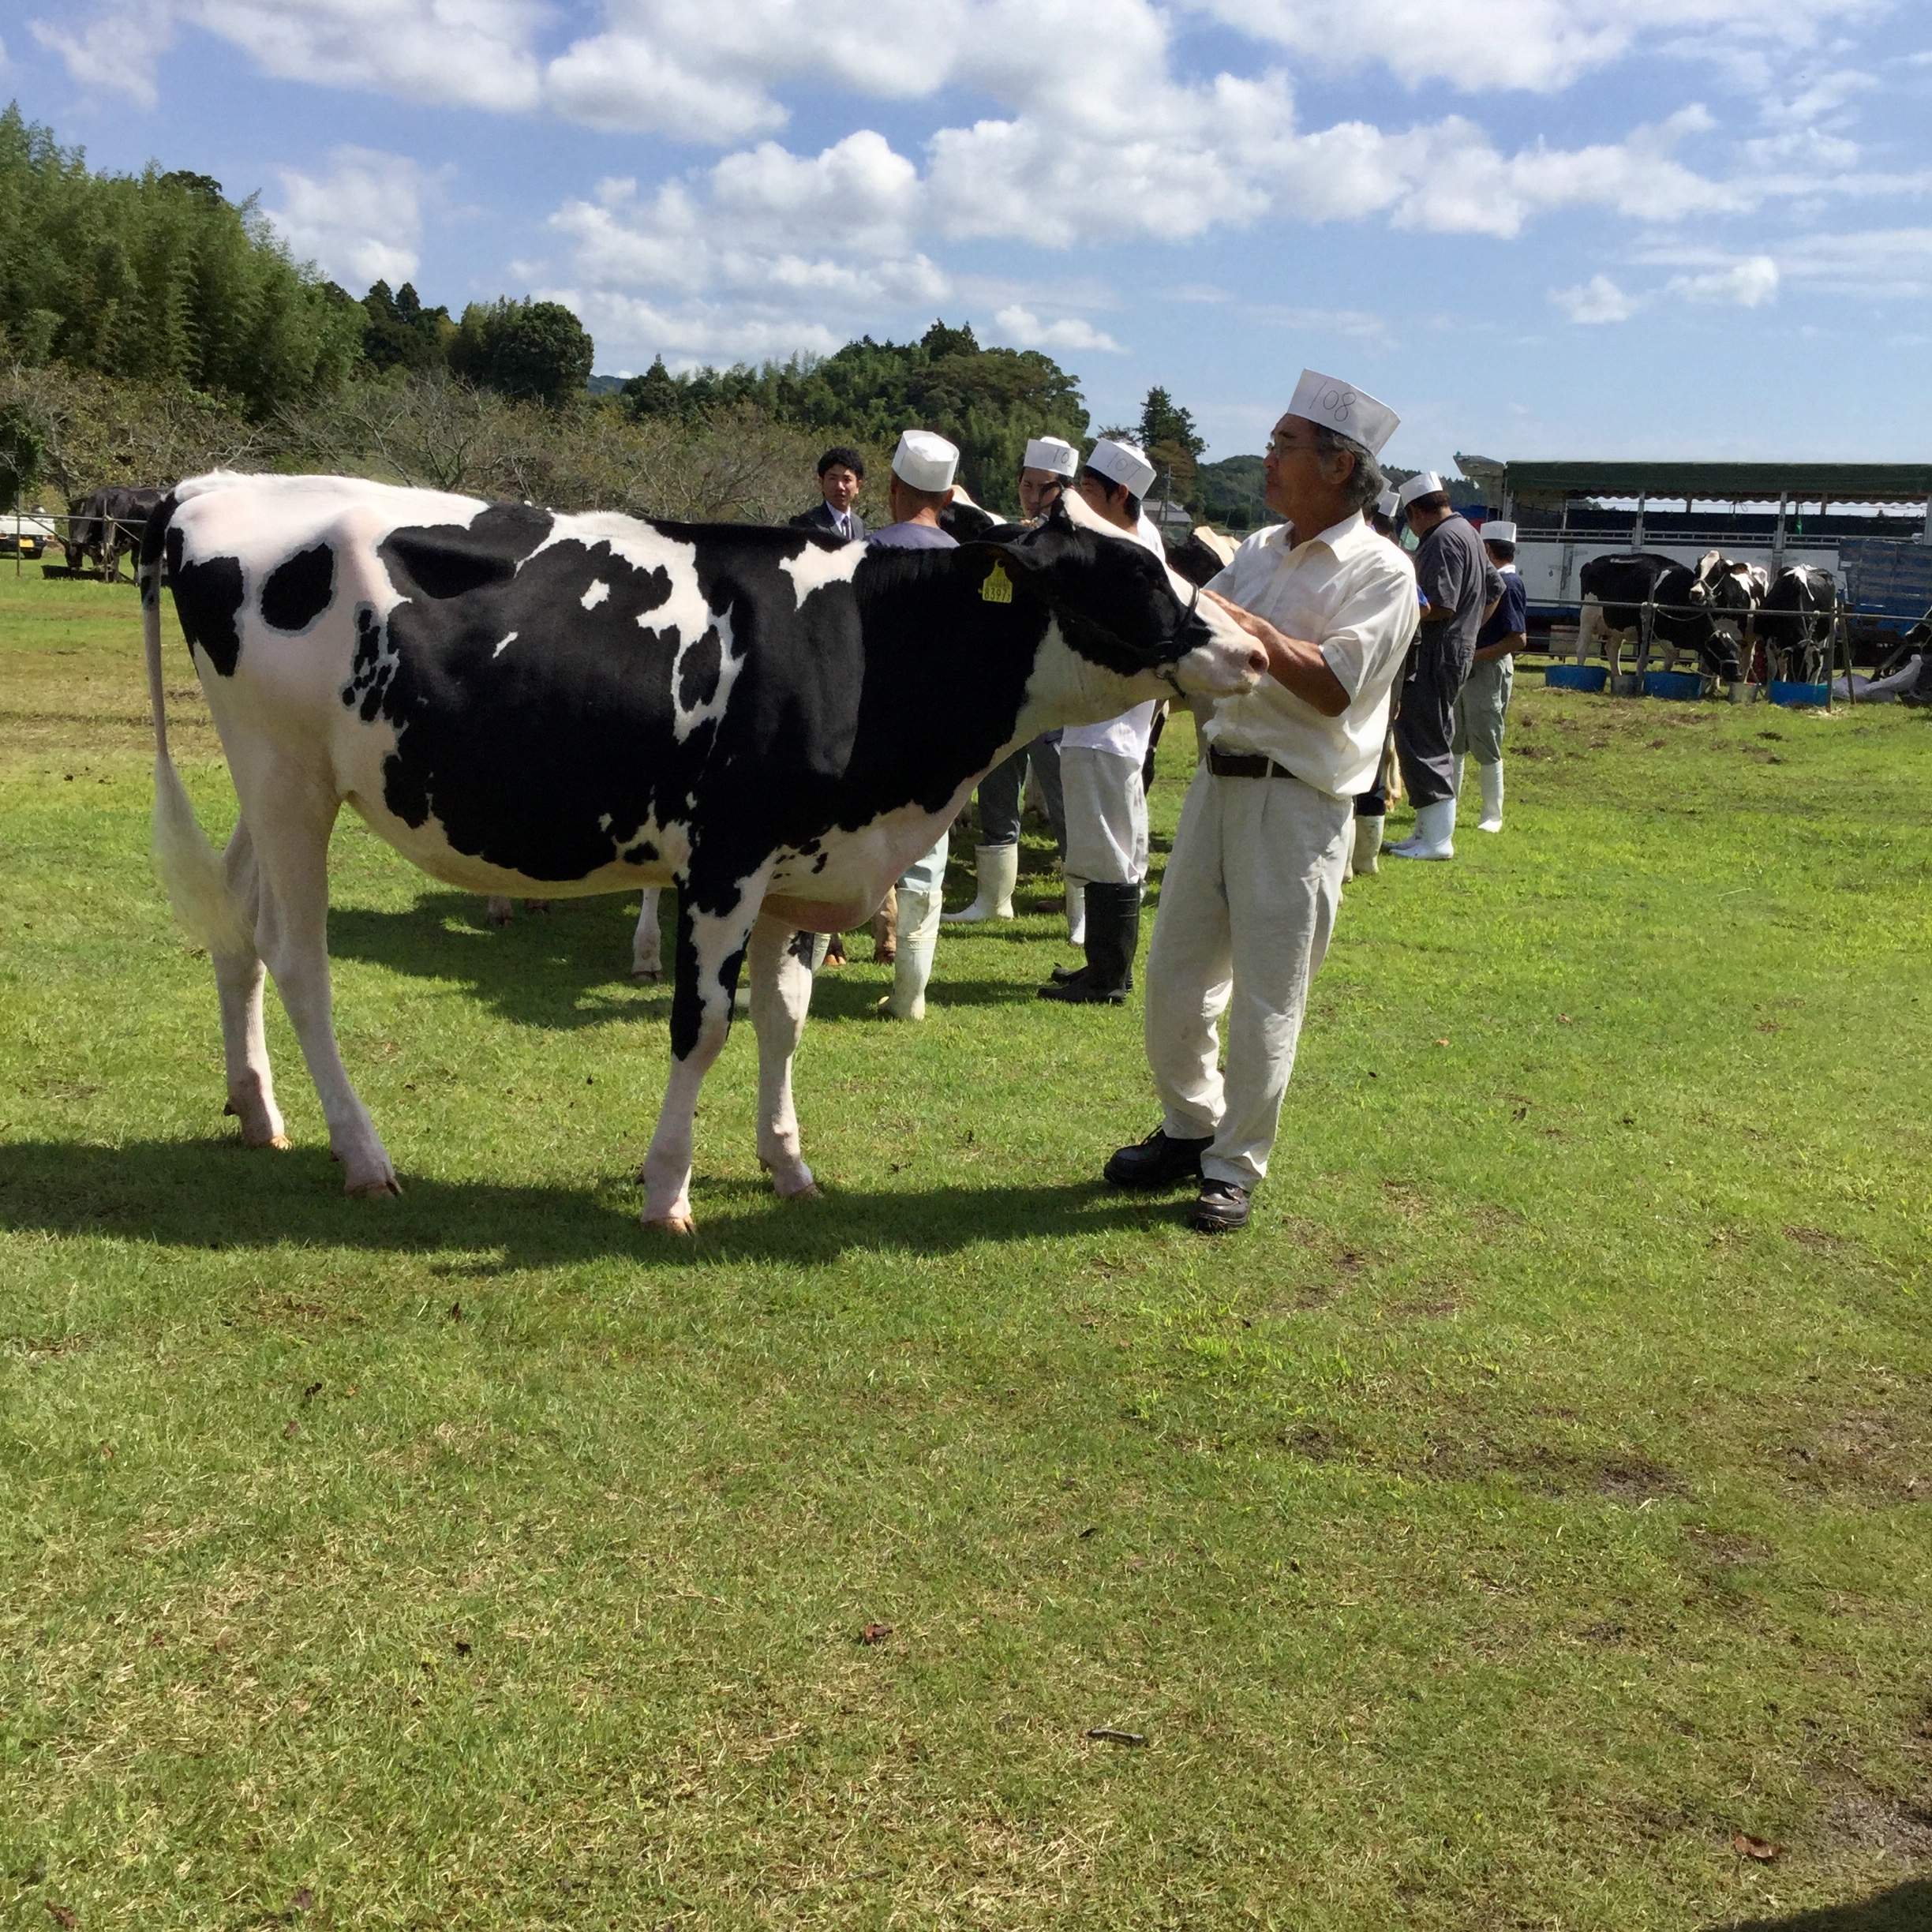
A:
(1717, 482)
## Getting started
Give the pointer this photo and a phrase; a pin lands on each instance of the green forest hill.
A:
(151, 326)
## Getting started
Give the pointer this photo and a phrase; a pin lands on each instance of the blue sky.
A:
(1564, 228)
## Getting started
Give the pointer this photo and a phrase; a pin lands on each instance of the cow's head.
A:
(1121, 607)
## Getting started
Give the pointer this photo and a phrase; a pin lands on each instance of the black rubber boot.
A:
(1112, 935)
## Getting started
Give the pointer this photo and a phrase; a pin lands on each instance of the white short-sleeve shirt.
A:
(1353, 594)
(1127, 735)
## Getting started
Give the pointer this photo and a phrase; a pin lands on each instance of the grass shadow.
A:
(211, 1194)
(1903, 1909)
(569, 967)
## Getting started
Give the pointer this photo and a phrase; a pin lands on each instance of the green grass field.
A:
(1532, 1509)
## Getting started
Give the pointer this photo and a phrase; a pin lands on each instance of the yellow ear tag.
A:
(997, 589)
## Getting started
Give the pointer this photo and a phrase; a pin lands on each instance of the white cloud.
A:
(1539, 45)
(1749, 284)
(1023, 329)
(1359, 324)
(362, 221)
(1597, 300)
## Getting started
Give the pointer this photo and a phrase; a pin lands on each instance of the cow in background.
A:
(1203, 555)
(1649, 597)
(1795, 624)
(108, 525)
(1732, 592)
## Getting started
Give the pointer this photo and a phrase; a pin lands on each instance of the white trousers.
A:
(1106, 820)
(1247, 905)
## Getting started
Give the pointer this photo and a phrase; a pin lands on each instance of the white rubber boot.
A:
(1432, 837)
(919, 937)
(1076, 912)
(997, 868)
(1369, 845)
(1455, 774)
(1491, 778)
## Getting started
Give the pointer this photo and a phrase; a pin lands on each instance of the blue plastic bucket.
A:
(1783, 694)
(1677, 684)
(1576, 677)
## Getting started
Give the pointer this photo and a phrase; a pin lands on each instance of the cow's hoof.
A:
(281, 1142)
(671, 1223)
(649, 974)
(810, 1191)
(370, 1190)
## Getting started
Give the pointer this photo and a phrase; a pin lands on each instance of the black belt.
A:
(1244, 764)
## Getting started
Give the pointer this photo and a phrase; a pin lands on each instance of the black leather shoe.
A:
(1222, 1208)
(1159, 1161)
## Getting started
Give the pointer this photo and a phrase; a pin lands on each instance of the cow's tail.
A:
(189, 866)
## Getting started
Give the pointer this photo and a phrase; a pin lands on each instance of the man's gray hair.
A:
(1366, 481)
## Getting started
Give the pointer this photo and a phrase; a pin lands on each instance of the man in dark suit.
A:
(841, 474)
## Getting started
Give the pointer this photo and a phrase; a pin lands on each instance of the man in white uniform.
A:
(1049, 467)
(1100, 775)
(922, 469)
(1251, 892)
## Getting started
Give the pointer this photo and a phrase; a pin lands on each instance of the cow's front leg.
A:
(781, 963)
(710, 950)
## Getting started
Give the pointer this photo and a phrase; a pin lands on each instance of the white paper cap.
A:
(1423, 483)
(1054, 454)
(1343, 408)
(1120, 462)
(1386, 505)
(925, 462)
(1497, 530)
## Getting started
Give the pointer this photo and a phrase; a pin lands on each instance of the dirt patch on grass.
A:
(1729, 1549)
(1859, 1818)
(1635, 1479)
(1868, 1453)
(1818, 1240)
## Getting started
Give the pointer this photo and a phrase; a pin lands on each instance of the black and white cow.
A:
(1795, 624)
(549, 706)
(108, 523)
(1732, 592)
(1658, 601)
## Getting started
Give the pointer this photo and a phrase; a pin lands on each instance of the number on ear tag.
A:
(997, 589)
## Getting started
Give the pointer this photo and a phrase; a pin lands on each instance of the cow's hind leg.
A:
(647, 941)
(710, 950)
(781, 988)
(238, 979)
(292, 935)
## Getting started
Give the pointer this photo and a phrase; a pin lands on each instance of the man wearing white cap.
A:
(1483, 701)
(1460, 588)
(1100, 775)
(923, 468)
(1251, 892)
(1050, 466)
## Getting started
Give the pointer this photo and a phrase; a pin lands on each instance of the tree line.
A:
(150, 326)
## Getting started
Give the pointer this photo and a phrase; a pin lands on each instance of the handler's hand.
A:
(1293, 662)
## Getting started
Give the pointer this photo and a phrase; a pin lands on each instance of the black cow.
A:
(1656, 599)
(549, 706)
(1202, 555)
(1795, 624)
(107, 523)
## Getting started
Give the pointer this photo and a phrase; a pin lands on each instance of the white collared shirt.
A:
(1125, 736)
(1353, 594)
